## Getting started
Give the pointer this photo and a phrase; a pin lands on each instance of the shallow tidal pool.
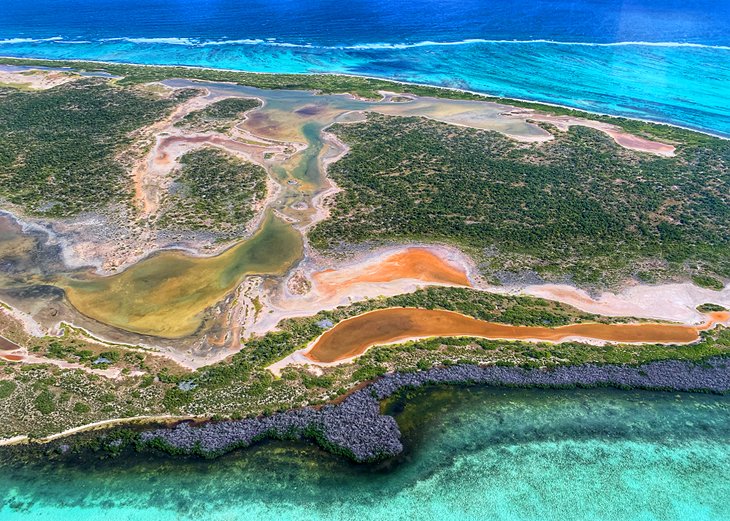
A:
(471, 453)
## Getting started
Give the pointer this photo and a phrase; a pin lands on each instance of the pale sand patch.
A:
(147, 202)
(412, 263)
(15, 440)
(99, 425)
(673, 302)
(381, 273)
(35, 79)
(23, 357)
(620, 136)
(26, 320)
(484, 115)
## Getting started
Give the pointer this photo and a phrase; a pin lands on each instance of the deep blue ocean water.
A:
(664, 60)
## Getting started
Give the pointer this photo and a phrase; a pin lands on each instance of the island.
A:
(192, 260)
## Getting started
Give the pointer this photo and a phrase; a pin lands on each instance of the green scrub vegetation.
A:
(43, 399)
(60, 148)
(359, 86)
(579, 205)
(220, 116)
(213, 190)
(710, 308)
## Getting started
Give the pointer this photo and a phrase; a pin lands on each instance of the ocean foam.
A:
(272, 42)
(15, 41)
(425, 43)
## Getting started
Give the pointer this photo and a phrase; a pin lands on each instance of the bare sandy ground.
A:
(144, 173)
(514, 123)
(35, 79)
(620, 136)
(484, 115)
(21, 356)
(15, 440)
(402, 269)
(381, 273)
(673, 302)
(412, 263)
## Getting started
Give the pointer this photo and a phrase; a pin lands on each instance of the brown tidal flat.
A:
(7, 345)
(354, 336)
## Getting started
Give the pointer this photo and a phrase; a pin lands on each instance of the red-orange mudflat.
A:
(412, 263)
(354, 336)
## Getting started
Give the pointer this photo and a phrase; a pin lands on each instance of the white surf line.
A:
(202, 42)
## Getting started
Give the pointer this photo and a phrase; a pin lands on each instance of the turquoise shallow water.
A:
(684, 85)
(475, 453)
(665, 60)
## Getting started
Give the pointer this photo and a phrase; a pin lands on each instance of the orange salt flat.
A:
(352, 337)
(413, 263)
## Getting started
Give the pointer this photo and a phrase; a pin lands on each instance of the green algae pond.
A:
(167, 294)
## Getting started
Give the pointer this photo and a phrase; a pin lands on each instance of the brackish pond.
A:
(166, 294)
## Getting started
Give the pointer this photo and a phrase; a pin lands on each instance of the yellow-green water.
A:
(167, 294)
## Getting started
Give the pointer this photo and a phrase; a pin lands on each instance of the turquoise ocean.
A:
(471, 453)
(663, 60)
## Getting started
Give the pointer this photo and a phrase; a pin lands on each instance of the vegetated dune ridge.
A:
(353, 336)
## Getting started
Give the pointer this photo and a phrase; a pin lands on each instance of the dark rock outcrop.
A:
(356, 428)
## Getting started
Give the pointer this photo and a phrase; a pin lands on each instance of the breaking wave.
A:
(194, 42)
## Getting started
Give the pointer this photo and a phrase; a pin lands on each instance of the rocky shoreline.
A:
(355, 428)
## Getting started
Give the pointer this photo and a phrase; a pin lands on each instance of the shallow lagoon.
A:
(166, 294)
(515, 453)
(354, 336)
